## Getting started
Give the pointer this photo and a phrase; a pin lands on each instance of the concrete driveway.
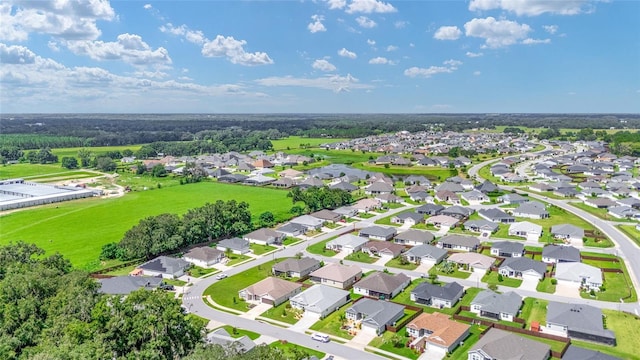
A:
(256, 311)
(529, 283)
(383, 260)
(305, 322)
(433, 353)
(362, 339)
(568, 290)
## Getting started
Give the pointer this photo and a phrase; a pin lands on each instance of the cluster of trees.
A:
(34, 139)
(456, 151)
(317, 198)
(50, 311)
(163, 233)
(42, 156)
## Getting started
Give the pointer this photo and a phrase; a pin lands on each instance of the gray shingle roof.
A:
(165, 264)
(416, 236)
(460, 240)
(378, 231)
(234, 243)
(500, 344)
(508, 246)
(523, 264)
(426, 290)
(577, 353)
(426, 249)
(123, 285)
(382, 282)
(319, 297)
(578, 317)
(561, 253)
(508, 303)
(377, 313)
(296, 265)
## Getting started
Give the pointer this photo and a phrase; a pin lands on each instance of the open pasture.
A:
(79, 229)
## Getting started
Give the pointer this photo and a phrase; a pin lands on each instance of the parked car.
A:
(320, 337)
(166, 287)
(221, 276)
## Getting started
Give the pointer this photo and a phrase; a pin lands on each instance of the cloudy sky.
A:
(320, 56)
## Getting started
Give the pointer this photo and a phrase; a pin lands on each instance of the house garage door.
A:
(267, 301)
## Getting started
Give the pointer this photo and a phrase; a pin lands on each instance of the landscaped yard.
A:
(394, 343)
(258, 249)
(438, 270)
(288, 241)
(332, 324)
(293, 351)
(615, 288)
(283, 312)
(361, 257)
(398, 263)
(627, 329)
(319, 249)
(546, 286)
(236, 259)
(236, 332)
(461, 352)
(534, 310)
(387, 219)
(493, 278)
(601, 213)
(366, 215)
(225, 291)
(197, 271)
(631, 232)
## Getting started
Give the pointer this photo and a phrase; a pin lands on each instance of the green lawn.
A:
(546, 286)
(78, 229)
(431, 173)
(276, 313)
(288, 241)
(258, 249)
(631, 232)
(319, 249)
(627, 329)
(492, 278)
(395, 263)
(57, 177)
(236, 332)
(455, 274)
(95, 151)
(235, 259)
(405, 296)
(361, 257)
(27, 171)
(365, 215)
(293, 351)
(615, 288)
(336, 156)
(601, 213)
(461, 352)
(225, 291)
(294, 142)
(534, 310)
(332, 324)
(387, 219)
(197, 271)
(386, 343)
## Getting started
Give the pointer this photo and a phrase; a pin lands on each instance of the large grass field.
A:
(95, 151)
(294, 142)
(78, 229)
(27, 171)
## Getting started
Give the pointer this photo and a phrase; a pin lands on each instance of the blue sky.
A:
(322, 56)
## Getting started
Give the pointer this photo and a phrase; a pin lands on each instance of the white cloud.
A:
(400, 24)
(473, 55)
(381, 61)
(370, 6)
(365, 22)
(337, 4)
(551, 29)
(335, 83)
(392, 48)
(316, 25)
(346, 53)
(323, 65)
(447, 33)
(412, 45)
(450, 66)
(477, 73)
(129, 48)
(234, 51)
(53, 45)
(497, 33)
(192, 36)
(15, 54)
(535, 7)
(530, 41)
(371, 42)
(147, 6)
(71, 20)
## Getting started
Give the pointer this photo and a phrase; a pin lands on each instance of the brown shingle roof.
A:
(444, 331)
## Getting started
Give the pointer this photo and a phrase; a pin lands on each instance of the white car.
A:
(320, 337)
(221, 276)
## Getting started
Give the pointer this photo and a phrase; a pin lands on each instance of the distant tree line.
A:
(163, 233)
(317, 198)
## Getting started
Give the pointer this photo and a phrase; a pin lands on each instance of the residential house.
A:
(293, 267)
(124, 285)
(165, 266)
(560, 253)
(472, 261)
(436, 331)
(496, 215)
(337, 275)
(414, 237)
(429, 209)
(474, 197)
(320, 300)
(567, 232)
(327, 215)
(271, 290)
(577, 353)
(348, 243)
(378, 233)
(458, 242)
(501, 344)
(425, 254)
(525, 229)
(522, 267)
(343, 185)
(531, 210)
(487, 187)
(230, 344)
(388, 198)
(513, 199)
(578, 321)
(507, 249)
(374, 315)
(497, 306)
(291, 229)
(309, 222)
(366, 205)
(235, 245)
(447, 196)
(381, 285)
(600, 203)
(443, 222)
(579, 274)
(265, 236)
(379, 187)
(204, 256)
(421, 196)
(408, 218)
(437, 296)
(484, 227)
(383, 249)
(459, 212)
(624, 212)
(284, 182)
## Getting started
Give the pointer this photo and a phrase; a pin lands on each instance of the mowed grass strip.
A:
(226, 290)
(78, 229)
